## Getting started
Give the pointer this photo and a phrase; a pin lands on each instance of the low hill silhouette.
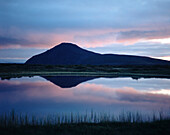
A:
(71, 54)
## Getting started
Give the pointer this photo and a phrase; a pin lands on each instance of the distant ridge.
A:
(71, 54)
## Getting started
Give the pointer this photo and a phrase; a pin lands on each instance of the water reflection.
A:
(68, 81)
(69, 94)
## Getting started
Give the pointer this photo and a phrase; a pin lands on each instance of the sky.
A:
(135, 27)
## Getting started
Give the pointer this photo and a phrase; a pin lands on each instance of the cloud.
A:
(84, 14)
(18, 55)
(84, 38)
(135, 96)
(142, 48)
(120, 95)
(127, 37)
(13, 41)
(136, 36)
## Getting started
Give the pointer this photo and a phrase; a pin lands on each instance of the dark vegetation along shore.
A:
(87, 124)
(8, 71)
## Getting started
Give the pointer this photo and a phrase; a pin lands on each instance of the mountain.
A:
(71, 54)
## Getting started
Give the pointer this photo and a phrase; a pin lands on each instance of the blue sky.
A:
(140, 27)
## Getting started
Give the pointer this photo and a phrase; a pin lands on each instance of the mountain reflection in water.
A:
(68, 81)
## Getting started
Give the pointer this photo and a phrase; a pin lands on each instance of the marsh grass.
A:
(13, 119)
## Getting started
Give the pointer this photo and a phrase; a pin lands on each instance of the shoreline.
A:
(95, 74)
(8, 71)
(139, 71)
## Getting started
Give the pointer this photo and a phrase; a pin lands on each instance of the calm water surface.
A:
(48, 95)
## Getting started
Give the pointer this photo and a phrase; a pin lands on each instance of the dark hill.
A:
(71, 54)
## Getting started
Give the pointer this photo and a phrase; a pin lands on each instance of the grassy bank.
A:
(18, 70)
(87, 124)
(154, 128)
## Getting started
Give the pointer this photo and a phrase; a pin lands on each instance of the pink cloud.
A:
(85, 38)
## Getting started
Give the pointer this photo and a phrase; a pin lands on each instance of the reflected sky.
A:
(37, 95)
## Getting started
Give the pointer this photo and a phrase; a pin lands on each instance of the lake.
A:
(65, 94)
